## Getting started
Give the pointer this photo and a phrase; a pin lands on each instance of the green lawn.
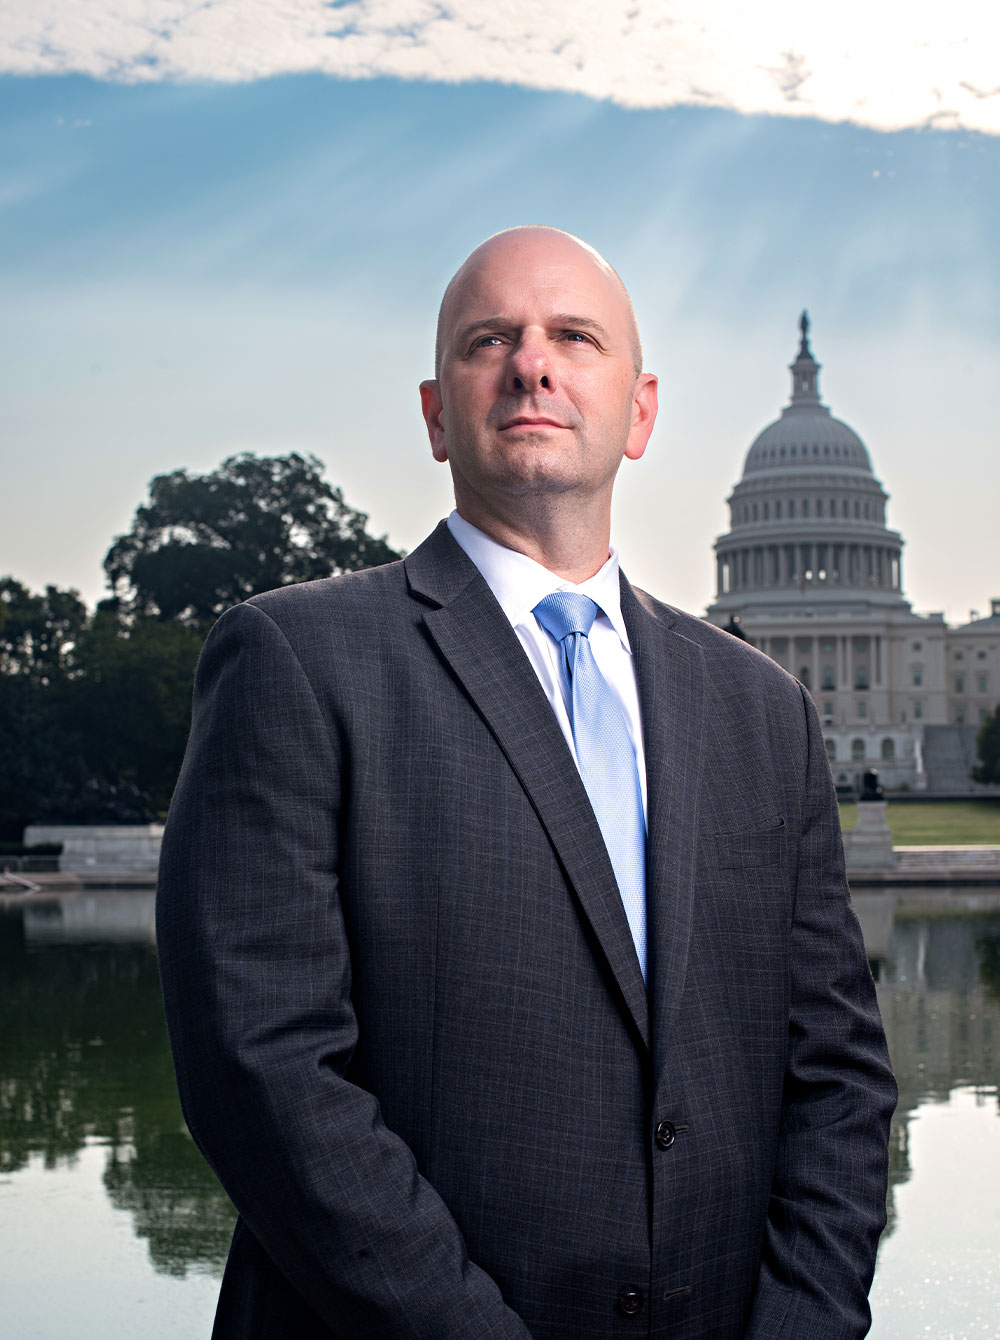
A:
(942, 823)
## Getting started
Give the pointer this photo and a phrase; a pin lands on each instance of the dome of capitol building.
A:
(810, 572)
(808, 514)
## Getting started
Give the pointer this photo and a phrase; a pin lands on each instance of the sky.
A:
(226, 227)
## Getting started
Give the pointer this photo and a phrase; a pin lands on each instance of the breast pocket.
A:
(761, 845)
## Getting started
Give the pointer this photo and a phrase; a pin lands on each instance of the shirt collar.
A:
(519, 583)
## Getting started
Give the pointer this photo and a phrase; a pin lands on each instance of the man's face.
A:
(537, 391)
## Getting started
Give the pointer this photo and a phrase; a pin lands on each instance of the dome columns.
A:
(765, 566)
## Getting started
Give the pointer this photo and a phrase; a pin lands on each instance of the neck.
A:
(573, 545)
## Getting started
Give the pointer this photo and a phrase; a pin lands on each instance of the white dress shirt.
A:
(519, 583)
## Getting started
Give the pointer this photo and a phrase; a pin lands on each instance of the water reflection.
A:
(84, 1059)
(939, 992)
(85, 1073)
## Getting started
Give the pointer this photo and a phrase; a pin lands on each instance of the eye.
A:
(487, 342)
(577, 337)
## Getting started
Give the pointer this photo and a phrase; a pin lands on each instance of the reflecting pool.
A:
(112, 1225)
(937, 971)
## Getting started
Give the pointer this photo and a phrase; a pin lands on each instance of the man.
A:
(472, 1054)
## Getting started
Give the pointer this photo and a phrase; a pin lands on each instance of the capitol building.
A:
(812, 575)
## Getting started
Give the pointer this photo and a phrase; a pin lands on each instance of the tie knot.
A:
(566, 612)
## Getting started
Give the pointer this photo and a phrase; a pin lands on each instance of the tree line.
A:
(95, 704)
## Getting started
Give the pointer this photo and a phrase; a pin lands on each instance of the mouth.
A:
(530, 421)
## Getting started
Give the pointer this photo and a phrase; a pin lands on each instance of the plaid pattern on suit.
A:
(409, 1025)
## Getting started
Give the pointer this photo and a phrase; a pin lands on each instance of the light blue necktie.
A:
(604, 752)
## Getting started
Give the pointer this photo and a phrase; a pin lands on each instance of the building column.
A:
(808, 658)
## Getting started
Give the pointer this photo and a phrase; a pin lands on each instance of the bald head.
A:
(539, 395)
(519, 249)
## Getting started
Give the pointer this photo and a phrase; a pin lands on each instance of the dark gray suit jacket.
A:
(410, 1030)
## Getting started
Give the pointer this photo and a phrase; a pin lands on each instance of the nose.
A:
(529, 366)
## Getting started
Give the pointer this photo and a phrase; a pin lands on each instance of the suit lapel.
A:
(476, 640)
(671, 674)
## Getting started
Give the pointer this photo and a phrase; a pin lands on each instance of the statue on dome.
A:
(804, 328)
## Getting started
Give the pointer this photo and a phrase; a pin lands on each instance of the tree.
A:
(40, 761)
(93, 713)
(38, 633)
(204, 542)
(94, 708)
(132, 703)
(988, 749)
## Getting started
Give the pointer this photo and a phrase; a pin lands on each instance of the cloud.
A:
(885, 65)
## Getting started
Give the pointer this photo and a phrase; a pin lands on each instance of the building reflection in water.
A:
(84, 1056)
(937, 972)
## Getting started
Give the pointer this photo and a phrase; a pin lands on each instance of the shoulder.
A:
(353, 599)
(732, 665)
(318, 621)
(327, 593)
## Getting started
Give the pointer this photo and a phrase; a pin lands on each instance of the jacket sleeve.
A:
(256, 974)
(828, 1197)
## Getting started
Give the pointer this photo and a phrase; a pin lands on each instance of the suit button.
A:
(665, 1135)
(630, 1302)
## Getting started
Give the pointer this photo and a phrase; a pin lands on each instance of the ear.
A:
(644, 406)
(431, 407)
